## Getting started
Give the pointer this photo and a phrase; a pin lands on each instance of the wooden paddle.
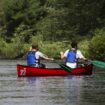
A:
(98, 63)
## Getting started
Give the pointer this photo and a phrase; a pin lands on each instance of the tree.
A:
(18, 12)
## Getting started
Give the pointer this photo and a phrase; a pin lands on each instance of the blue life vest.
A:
(31, 60)
(71, 57)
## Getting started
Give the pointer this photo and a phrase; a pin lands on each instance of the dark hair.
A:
(74, 44)
(35, 46)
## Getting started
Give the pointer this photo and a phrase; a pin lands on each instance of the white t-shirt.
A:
(78, 55)
(38, 54)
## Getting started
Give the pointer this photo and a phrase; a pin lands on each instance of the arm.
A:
(80, 55)
(47, 58)
(41, 55)
(62, 55)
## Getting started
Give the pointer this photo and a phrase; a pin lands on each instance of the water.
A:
(71, 90)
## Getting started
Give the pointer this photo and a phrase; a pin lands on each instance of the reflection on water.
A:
(54, 90)
(31, 80)
(71, 90)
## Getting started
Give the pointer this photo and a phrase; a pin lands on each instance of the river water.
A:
(69, 90)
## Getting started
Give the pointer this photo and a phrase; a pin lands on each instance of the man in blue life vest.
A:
(72, 55)
(34, 55)
(31, 59)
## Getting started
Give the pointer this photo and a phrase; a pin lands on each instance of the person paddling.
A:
(72, 55)
(34, 55)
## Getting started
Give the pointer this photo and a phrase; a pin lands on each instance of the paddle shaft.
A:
(63, 66)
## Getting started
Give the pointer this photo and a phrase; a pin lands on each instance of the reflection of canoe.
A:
(23, 71)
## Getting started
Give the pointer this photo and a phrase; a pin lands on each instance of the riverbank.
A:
(52, 49)
(91, 48)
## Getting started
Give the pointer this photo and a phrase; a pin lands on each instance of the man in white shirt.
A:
(72, 55)
(34, 58)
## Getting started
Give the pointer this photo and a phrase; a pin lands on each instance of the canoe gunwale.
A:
(39, 68)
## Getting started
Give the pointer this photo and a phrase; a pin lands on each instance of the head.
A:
(74, 44)
(35, 46)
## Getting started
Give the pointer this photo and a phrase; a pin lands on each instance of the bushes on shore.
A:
(18, 49)
(92, 49)
(97, 45)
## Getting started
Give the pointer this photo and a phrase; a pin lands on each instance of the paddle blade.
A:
(66, 68)
(98, 63)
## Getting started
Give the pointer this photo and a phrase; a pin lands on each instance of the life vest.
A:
(71, 57)
(31, 59)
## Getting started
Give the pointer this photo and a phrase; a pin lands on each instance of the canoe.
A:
(27, 71)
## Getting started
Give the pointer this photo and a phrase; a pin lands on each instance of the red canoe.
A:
(27, 71)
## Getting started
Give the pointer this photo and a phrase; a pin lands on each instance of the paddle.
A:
(63, 66)
(98, 63)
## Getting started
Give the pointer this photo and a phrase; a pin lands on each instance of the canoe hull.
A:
(26, 71)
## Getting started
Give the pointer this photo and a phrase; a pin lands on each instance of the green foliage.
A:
(2, 45)
(84, 46)
(22, 34)
(12, 50)
(17, 12)
(14, 14)
(54, 49)
(23, 22)
(54, 19)
(37, 39)
(53, 26)
(97, 45)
